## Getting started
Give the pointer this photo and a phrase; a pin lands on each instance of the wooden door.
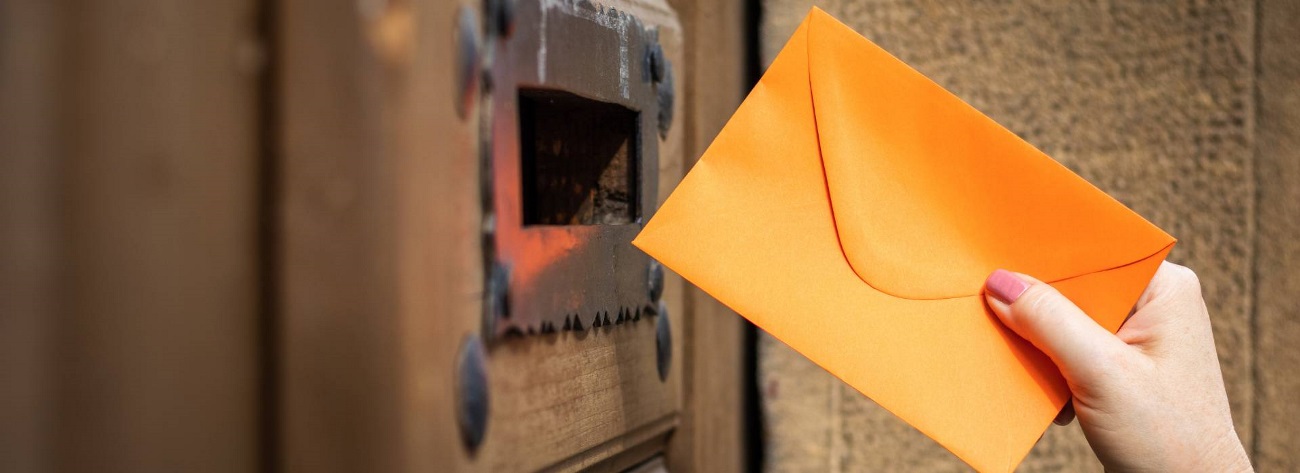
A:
(384, 279)
(249, 235)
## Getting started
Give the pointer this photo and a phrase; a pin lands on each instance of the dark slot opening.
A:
(579, 160)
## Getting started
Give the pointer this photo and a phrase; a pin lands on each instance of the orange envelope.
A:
(852, 208)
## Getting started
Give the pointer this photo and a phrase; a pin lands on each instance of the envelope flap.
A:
(929, 195)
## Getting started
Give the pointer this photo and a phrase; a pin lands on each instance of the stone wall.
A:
(1184, 110)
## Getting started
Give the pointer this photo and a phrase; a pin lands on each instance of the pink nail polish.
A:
(1005, 286)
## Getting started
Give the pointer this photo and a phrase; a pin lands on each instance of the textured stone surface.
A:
(800, 415)
(1277, 326)
(1151, 101)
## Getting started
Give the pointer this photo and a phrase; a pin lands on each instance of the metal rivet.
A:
(503, 14)
(467, 61)
(655, 281)
(471, 393)
(655, 58)
(663, 342)
(665, 90)
(497, 300)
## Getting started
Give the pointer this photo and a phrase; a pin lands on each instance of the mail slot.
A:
(580, 97)
(579, 160)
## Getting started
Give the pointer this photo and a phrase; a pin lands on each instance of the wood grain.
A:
(29, 230)
(712, 86)
(132, 152)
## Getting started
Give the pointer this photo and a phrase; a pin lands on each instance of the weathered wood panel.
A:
(341, 393)
(130, 133)
(710, 436)
(158, 343)
(29, 230)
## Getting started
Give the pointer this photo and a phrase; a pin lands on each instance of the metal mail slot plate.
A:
(577, 97)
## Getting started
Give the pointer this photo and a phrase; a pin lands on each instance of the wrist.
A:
(1225, 454)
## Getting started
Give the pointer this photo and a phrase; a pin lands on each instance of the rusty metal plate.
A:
(576, 97)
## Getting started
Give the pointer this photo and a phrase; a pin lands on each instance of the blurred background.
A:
(391, 235)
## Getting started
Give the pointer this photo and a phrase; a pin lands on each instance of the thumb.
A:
(1040, 314)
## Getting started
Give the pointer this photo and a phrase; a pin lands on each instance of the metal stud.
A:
(467, 61)
(471, 393)
(497, 298)
(502, 13)
(663, 342)
(655, 281)
(655, 61)
(666, 93)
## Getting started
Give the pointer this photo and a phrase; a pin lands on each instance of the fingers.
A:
(1170, 281)
(1170, 307)
(1044, 317)
(1066, 415)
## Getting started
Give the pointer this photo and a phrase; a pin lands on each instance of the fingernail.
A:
(1005, 286)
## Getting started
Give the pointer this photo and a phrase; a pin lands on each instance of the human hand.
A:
(1150, 397)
